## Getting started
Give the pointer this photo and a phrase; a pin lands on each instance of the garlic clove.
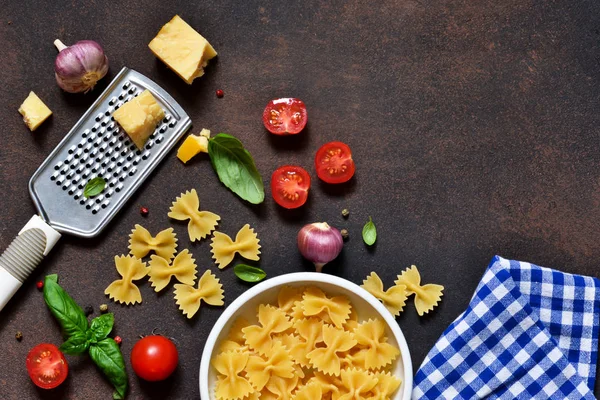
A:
(79, 67)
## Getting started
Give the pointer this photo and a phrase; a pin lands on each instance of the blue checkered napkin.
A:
(529, 333)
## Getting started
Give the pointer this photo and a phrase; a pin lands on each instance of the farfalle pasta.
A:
(209, 290)
(335, 310)
(426, 296)
(124, 290)
(370, 336)
(298, 355)
(187, 207)
(224, 248)
(394, 299)
(141, 242)
(271, 321)
(231, 384)
(260, 370)
(183, 268)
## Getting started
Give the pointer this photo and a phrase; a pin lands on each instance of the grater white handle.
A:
(21, 257)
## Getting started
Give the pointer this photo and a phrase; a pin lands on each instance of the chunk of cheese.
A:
(183, 49)
(193, 145)
(34, 111)
(139, 117)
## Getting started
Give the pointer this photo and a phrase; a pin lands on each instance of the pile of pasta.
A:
(166, 264)
(307, 346)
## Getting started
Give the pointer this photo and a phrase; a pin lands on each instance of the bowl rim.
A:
(279, 280)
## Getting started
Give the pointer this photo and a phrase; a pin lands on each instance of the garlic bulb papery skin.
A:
(80, 66)
(320, 243)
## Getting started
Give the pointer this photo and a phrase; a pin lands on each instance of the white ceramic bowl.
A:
(363, 302)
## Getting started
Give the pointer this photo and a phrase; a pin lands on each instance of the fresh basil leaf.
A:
(369, 233)
(249, 273)
(94, 187)
(53, 277)
(102, 325)
(76, 344)
(69, 315)
(235, 167)
(107, 356)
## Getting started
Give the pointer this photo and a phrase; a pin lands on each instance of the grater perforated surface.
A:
(97, 147)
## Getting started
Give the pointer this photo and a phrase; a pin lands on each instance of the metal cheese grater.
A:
(95, 146)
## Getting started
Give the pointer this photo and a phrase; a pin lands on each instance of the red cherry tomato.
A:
(47, 366)
(334, 163)
(289, 186)
(154, 358)
(285, 116)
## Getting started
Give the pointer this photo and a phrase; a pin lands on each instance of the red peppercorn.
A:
(144, 211)
(118, 339)
(220, 93)
(39, 285)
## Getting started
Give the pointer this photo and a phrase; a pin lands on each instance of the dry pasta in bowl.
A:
(306, 336)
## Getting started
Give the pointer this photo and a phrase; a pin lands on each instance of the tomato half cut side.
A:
(289, 186)
(334, 163)
(285, 116)
(47, 366)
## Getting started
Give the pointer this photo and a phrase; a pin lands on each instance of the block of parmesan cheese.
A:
(34, 111)
(139, 117)
(193, 145)
(183, 49)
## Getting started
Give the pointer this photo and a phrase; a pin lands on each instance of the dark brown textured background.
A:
(474, 127)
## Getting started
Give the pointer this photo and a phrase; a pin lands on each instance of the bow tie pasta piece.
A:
(183, 269)
(310, 332)
(288, 296)
(235, 340)
(272, 321)
(329, 384)
(370, 336)
(282, 387)
(187, 206)
(326, 359)
(230, 385)
(209, 289)
(356, 384)
(310, 391)
(394, 299)
(387, 384)
(141, 242)
(224, 248)
(337, 308)
(426, 296)
(124, 290)
(352, 321)
(260, 370)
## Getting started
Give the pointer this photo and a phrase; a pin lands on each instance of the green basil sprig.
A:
(94, 187)
(249, 273)
(82, 336)
(369, 232)
(235, 167)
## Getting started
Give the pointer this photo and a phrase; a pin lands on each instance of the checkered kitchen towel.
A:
(529, 333)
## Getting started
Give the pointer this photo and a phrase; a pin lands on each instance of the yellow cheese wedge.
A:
(139, 117)
(193, 145)
(183, 49)
(34, 111)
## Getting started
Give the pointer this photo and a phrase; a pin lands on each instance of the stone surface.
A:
(474, 126)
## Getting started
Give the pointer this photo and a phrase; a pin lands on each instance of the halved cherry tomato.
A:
(285, 116)
(154, 358)
(289, 186)
(47, 366)
(334, 163)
